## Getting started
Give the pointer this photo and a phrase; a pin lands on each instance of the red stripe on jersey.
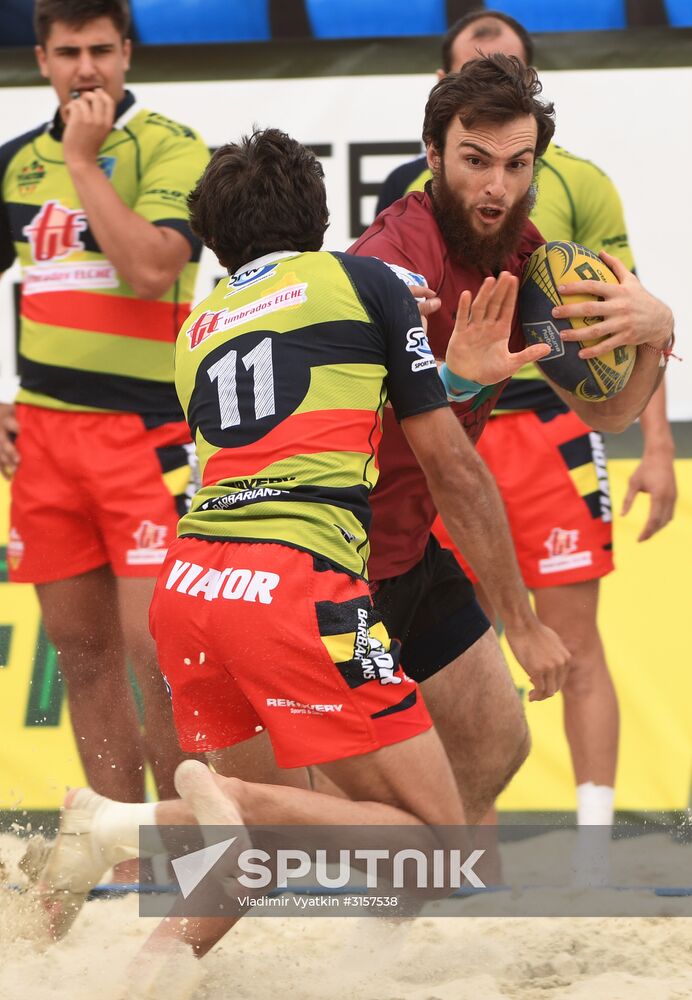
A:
(148, 320)
(300, 434)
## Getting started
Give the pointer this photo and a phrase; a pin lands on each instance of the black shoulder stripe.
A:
(7, 153)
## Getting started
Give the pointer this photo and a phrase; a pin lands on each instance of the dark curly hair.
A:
(493, 89)
(262, 194)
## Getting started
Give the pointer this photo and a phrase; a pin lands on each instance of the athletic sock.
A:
(595, 804)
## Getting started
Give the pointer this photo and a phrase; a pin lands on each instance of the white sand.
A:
(477, 958)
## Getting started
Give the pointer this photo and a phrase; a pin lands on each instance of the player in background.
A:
(546, 460)
(93, 205)
(262, 614)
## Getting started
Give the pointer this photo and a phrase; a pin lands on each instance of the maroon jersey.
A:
(407, 234)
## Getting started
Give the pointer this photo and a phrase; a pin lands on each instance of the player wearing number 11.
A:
(262, 613)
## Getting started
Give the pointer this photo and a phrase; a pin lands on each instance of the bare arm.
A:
(9, 428)
(655, 473)
(148, 257)
(468, 500)
(616, 414)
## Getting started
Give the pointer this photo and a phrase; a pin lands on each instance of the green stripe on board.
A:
(5, 643)
(46, 691)
(635, 48)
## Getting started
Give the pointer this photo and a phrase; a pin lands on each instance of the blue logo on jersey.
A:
(107, 165)
(243, 279)
(408, 277)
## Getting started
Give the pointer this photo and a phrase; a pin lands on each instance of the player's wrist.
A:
(81, 162)
(458, 388)
(662, 347)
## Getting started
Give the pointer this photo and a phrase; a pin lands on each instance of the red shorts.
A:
(554, 483)
(94, 489)
(254, 636)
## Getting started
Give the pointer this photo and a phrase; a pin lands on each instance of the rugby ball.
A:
(558, 263)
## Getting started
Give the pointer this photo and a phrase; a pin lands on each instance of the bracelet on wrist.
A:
(664, 353)
(458, 389)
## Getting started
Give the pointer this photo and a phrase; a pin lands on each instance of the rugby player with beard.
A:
(484, 128)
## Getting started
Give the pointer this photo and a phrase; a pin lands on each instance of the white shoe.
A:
(75, 864)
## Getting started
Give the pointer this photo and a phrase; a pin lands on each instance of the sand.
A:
(477, 958)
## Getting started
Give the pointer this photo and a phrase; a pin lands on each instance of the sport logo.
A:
(151, 541)
(409, 278)
(31, 176)
(15, 549)
(203, 327)
(544, 332)
(107, 165)
(243, 279)
(54, 232)
(562, 545)
(377, 663)
(208, 323)
(417, 343)
(561, 542)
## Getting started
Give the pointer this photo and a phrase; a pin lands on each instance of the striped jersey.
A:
(86, 340)
(283, 373)
(575, 201)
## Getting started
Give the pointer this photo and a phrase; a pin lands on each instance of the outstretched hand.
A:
(478, 349)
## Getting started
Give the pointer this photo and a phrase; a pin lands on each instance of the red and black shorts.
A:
(254, 636)
(551, 471)
(94, 489)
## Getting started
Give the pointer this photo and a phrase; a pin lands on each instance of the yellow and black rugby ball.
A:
(556, 264)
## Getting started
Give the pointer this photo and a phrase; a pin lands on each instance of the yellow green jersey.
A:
(86, 340)
(283, 373)
(575, 201)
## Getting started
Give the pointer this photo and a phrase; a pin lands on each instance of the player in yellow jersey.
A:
(93, 205)
(545, 458)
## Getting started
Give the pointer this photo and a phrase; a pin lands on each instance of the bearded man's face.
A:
(481, 188)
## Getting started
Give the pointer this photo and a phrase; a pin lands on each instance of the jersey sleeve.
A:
(413, 385)
(600, 219)
(170, 173)
(7, 249)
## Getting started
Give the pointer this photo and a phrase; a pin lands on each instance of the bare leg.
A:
(481, 722)
(590, 702)
(81, 619)
(253, 760)
(161, 745)
(407, 783)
